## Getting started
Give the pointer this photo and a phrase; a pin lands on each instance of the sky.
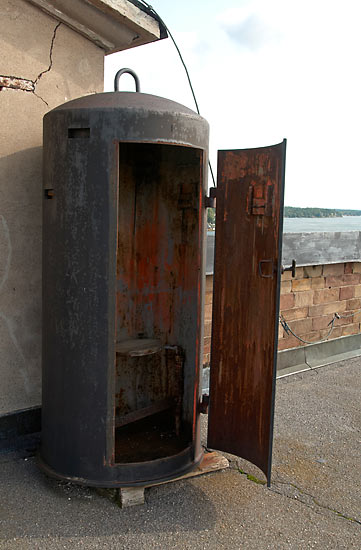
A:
(264, 70)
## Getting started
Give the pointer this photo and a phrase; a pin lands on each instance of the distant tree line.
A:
(296, 212)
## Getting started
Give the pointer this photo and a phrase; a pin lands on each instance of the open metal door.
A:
(249, 215)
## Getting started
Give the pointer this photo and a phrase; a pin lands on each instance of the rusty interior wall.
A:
(43, 64)
(158, 279)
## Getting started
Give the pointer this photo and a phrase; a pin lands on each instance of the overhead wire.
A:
(157, 16)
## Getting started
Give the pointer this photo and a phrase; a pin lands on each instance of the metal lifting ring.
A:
(126, 71)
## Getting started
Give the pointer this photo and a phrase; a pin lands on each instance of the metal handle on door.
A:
(260, 269)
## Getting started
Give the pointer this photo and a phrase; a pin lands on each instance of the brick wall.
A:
(308, 303)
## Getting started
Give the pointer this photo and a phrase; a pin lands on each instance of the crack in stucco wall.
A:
(50, 56)
(25, 84)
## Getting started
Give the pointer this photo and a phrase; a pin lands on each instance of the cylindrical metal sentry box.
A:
(123, 277)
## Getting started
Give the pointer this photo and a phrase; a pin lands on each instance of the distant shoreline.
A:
(317, 217)
(317, 225)
(297, 212)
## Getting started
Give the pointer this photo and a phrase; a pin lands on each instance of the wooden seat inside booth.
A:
(148, 399)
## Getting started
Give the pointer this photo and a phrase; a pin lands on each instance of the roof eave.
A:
(113, 25)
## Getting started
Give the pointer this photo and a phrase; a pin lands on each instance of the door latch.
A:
(292, 268)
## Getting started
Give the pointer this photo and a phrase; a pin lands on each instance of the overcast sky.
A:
(264, 70)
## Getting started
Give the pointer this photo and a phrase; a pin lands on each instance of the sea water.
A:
(310, 225)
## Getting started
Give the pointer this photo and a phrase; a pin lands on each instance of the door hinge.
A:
(203, 405)
(210, 201)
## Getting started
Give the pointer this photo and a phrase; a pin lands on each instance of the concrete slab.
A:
(329, 360)
(291, 360)
(333, 350)
(111, 25)
(317, 436)
(318, 355)
(290, 371)
(313, 502)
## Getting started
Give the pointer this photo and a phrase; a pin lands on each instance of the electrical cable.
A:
(288, 330)
(157, 16)
(348, 314)
(336, 316)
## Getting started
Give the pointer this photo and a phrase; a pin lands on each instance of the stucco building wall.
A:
(60, 65)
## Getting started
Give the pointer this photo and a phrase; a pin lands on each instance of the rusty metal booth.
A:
(125, 203)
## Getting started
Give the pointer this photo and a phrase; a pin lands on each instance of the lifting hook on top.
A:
(126, 71)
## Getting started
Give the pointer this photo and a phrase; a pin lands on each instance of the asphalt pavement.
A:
(314, 500)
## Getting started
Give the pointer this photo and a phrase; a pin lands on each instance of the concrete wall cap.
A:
(309, 249)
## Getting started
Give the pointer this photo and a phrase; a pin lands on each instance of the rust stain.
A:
(157, 253)
(199, 320)
(17, 83)
(143, 382)
(244, 304)
(159, 261)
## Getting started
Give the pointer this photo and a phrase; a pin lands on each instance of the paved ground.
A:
(314, 500)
